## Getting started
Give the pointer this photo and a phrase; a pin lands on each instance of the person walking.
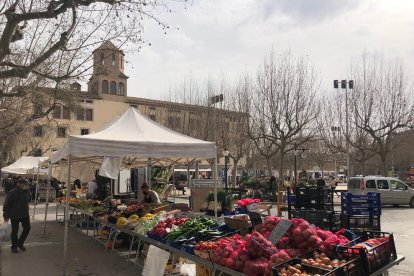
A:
(16, 208)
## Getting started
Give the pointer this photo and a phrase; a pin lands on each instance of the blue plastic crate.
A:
(360, 205)
(188, 249)
(363, 212)
(155, 237)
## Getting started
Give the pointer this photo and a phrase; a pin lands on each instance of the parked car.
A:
(392, 190)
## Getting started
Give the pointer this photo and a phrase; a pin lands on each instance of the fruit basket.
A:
(375, 249)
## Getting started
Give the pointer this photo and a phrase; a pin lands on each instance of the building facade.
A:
(107, 97)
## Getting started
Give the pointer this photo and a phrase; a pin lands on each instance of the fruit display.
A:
(296, 270)
(164, 226)
(258, 246)
(145, 224)
(323, 261)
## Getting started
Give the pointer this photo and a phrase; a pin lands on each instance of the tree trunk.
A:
(269, 167)
(234, 173)
(280, 182)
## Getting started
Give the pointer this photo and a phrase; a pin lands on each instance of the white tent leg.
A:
(65, 239)
(215, 185)
(49, 180)
(149, 173)
(36, 192)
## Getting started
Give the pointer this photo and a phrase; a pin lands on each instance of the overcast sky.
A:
(231, 36)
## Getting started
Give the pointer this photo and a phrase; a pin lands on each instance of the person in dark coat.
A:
(16, 208)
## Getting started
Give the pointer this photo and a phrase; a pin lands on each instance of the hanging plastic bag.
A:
(5, 231)
(155, 262)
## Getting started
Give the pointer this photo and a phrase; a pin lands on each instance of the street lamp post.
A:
(226, 156)
(345, 85)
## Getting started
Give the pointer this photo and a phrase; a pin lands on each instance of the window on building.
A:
(174, 122)
(37, 109)
(88, 101)
(113, 88)
(102, 58)
(105, 87)
(152, 117)
(80, 114)
(88, 114)
(122, 62)
(66, 113)
(121, 89)
(57, 113)
(113, 59)
(94, 87)
(37, 152)
(61, 132)
(152, 108)
(38, 131)
(84, 131)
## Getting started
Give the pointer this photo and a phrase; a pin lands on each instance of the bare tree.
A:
(331, 125)
(285, 103)
(45, 44)
(381, 101)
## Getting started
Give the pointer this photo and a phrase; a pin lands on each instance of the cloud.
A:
(303, 12)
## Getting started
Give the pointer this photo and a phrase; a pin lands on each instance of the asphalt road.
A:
(400, 221)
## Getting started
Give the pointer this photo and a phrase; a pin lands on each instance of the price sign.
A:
(279, 231)
(255, 218)
(253, 208)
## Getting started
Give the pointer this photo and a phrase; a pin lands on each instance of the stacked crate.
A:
(361, 212)
(314, 204)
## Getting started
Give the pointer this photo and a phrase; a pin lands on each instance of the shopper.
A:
(16, 208)
(92, 186)
(150, 196)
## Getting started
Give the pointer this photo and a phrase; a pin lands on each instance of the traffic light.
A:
(351, 84)
(335, 83)
(343, 84)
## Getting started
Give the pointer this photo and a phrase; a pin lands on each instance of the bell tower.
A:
(108, 80)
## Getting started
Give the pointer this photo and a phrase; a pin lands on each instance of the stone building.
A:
(107, 97)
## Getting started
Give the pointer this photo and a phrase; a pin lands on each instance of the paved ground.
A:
(44, 255)
(88, 258)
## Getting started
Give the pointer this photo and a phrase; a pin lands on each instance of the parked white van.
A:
(392, 190)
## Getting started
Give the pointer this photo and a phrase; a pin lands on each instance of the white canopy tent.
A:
(24, 165)
(28, 165)
(137, 140)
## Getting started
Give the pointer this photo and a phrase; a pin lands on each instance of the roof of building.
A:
(108, 45)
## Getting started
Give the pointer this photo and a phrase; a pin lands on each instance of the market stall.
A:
(27, 165)
(275, 246)
(129, 141)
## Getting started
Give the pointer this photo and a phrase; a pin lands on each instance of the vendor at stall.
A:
(150, 196)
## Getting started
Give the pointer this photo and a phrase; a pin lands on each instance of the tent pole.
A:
(49, 179)
(36, 191)
(149, 173)
(65, 239)
(215, 185)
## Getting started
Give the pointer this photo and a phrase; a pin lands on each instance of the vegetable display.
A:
(191, 226)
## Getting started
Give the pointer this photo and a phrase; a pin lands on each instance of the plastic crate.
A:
(309, 269)
(360, 223)
(371, 198)
(362, 211)
(319, 198)
(329, 220)
(375, 257)
(187, 248)
(155, 237)
(353, 266)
